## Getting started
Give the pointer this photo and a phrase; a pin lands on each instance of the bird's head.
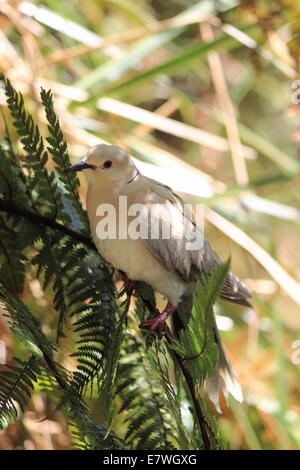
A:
(107, 164)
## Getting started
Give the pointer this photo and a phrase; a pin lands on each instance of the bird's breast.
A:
(130, 256)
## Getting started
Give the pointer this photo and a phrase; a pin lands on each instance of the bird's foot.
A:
(157, 323)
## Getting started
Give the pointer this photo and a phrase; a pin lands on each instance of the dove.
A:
(143, 228)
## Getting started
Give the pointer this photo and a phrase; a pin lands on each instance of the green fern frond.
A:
(25, 325)
(59, 150)
(86, 433)
(16, 384)
(12, 267)
(13, 182)
(41, 180)
(138, 388)
(95, 327)
(197, 343)
(107, 380)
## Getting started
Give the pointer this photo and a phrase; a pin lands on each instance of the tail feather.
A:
(235, 291)
(224, 378)
(239, 301)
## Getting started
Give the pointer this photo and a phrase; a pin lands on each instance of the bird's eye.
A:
(107, 164)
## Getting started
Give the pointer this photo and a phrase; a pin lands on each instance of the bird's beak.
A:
(78, 167)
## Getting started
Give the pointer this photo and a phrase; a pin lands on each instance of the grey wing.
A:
(177, 230)
(172, 223)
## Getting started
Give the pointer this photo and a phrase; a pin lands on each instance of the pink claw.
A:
(157, 323)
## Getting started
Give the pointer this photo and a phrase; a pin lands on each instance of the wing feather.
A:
(176, 224)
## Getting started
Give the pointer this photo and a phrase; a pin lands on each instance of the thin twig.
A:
(194, 395)
(12, 208)
(56, 375)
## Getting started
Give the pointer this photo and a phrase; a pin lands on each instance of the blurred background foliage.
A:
(204, 95)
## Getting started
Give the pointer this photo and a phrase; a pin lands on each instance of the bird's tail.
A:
(224, 378)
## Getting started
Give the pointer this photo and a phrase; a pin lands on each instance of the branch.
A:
(62, 384)
(203, 424)
(12, 208)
